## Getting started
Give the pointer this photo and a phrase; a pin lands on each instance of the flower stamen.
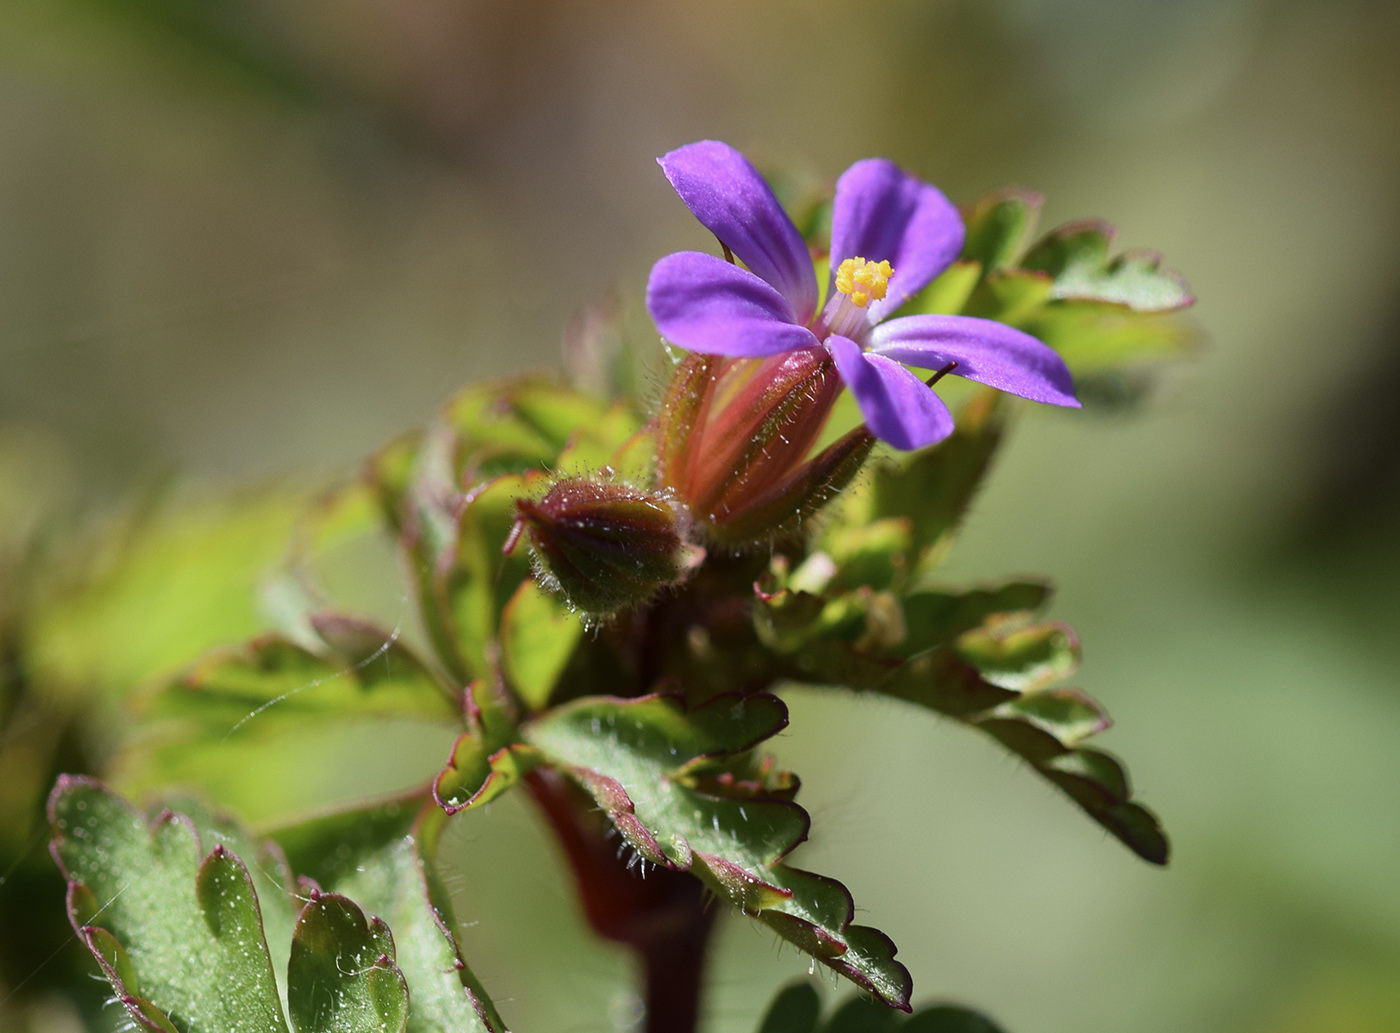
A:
(863, 281)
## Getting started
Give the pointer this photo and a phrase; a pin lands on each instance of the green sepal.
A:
(679, 787)
(341, 977)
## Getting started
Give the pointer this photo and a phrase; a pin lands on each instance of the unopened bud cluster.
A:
(733, 468)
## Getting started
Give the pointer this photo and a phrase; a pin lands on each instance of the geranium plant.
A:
(612, 597)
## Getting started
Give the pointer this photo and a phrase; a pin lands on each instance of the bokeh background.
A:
(243, 242)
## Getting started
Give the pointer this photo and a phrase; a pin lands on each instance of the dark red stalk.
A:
(663, 918)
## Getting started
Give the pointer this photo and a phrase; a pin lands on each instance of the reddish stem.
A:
(662, 917)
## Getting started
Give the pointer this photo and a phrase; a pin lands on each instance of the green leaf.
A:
(796, 1009)
(167, 585)
(999, 226)
(931, 488)
(341, 977)
(267, 685)
(476, 774)
(1009, 653)
(538, 635)
(1046, 728)
(177, 931)
(948, 292)
(678, 786)
(1010, 296)
(1094, 337)
(1076, 256)
(382, 857)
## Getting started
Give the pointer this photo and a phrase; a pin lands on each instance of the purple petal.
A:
(882, 213)
(986, 351)
(704, 304)
(734, 203)
(898, 407)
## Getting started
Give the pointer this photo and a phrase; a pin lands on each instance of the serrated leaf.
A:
(382, 857)
(186, 922)
(1018, 656)
(937, 616)
(1077, 257)
(389, 473)
(1045, 727)
(538, 635)
(263, 686)
(341, 977)
(649, 763)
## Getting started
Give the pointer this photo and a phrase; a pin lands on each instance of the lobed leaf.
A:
(381, 855)
(974, 657)
(177, 932)
(266, 685)
(677, 786)
(1076, 256)
(341, 977)
(1046, 728)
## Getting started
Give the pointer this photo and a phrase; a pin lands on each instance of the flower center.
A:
(863, 281)
(858, 283)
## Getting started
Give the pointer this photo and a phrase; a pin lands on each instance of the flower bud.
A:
(605, 546)
(734, 437)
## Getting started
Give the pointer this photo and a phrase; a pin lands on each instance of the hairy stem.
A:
(662, 917)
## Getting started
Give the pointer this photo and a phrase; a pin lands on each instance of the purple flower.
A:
(891, 234)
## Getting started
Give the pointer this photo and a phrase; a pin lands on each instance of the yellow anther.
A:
(863, 281)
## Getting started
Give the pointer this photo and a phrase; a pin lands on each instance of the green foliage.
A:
(172, 925)
(178, 925)
(680, 788)
(342, 977)
(649, 722)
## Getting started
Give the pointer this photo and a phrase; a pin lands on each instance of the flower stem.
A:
(662, 917)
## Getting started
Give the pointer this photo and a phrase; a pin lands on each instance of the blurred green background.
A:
(245, 241)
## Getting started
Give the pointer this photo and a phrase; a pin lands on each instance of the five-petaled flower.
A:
(891, 234)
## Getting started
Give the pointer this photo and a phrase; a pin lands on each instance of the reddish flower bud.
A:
(605, 546)
(734, 437)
